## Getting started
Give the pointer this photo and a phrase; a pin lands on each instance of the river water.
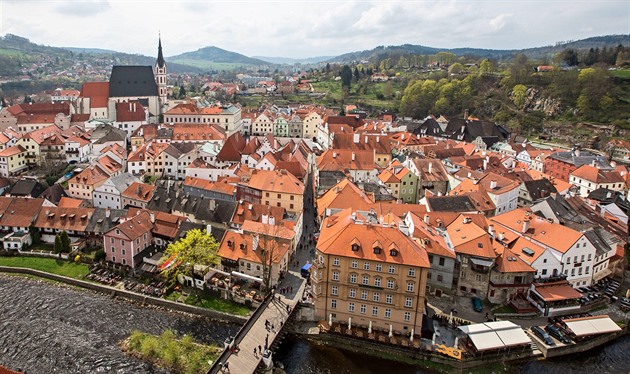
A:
(302, 357)
(49, 328)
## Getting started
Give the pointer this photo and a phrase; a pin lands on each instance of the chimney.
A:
(366, 139)
(272, 221)
(525, 225)
(469, 175)
(402, 137)
(485, 164)
(353, 156)
(334, 154)
(426, 219)
(500, 236)
(212, 205)
(377, 139)
(491, 230)
(493, 185)
(265, 219)
(130, 107)
(152, 217)
(107, 213)
(430, 167)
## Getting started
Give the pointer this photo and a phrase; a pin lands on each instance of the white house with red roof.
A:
(130, 116)
(77, 149)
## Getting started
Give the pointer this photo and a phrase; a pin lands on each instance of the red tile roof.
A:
(129, 111)
(98, 92)
(139, 191)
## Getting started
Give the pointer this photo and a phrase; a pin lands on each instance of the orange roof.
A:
(42, 134)
(109, 164)
(59, 218)
(90, 176)
(76, 139)
(593, 174)
(236, 246)
(342, 160)
(429, 238)
(556, 291)
(139, 191)
(343, 195)
(553, 235)
(340, 232)
(136, 225)
(276, 231)
(275, 181)
(196, 132)
(68, 202)
(469, 236)
(508, 262)
(12, 151)
(222, 187)
(254, 212)
(20, 212)
(98, 92)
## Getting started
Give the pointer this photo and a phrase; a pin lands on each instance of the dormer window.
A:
(377, 250)
(355, 247)
(393, 252)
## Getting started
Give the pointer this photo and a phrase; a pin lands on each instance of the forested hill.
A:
(382, 52)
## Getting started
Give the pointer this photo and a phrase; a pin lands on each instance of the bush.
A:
(99, 255)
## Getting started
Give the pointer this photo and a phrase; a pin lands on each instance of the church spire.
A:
(160, 58)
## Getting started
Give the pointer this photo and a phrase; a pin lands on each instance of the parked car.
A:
(477, 305)
(538, 331)
(554, 331)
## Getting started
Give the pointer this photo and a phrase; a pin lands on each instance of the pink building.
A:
(129, 238)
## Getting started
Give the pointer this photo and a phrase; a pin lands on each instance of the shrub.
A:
(99, 255)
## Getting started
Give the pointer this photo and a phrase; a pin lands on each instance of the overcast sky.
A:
(298, 28)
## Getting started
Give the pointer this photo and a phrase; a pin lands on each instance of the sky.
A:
(307, 28)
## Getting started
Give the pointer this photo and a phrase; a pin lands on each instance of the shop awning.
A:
(592, 325)
(480, 262)
(242, 275)
(495, 335)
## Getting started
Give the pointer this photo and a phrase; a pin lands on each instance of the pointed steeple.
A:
(160, 58)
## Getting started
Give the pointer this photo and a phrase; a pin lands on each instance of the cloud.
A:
(82, 8)
(498, 22)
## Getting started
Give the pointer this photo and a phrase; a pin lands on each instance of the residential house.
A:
(53, 220)
(177, 157)
(125, 242)
(589, 178)
(431, 174)
(77, 149)
(533, 191)
(137, 195)
(402, 183)
(130, 116)
(82, 185)
(108, 195)
(13, 161)
(275, 188)
(561, 164)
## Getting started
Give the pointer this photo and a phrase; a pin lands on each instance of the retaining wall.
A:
(213, 314)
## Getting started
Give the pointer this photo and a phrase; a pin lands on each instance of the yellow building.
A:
(367, 270)
(12, 160)
(82, 185)
(274, 188)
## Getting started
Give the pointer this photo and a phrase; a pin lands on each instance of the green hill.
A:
(210, 57)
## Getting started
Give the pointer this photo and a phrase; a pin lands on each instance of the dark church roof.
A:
(160, 59)
(132, 81)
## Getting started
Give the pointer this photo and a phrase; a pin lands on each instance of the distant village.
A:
(405, 210)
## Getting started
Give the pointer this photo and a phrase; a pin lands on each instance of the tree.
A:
(570, 57)
(387, 89)
(346, 76)
(327, 68)
(182, 92)
(99, 255)
(57, 248)
(356, 74)
(486, 67)
(519, 94)
(456, 68)
(65, 241)
(268, 249)
(196, 248)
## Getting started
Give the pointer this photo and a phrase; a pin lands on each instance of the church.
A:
(143, 84)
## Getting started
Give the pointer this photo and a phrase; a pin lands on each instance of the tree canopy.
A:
(196, 248)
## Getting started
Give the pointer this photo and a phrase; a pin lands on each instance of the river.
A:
(50, 328)
(300, 356)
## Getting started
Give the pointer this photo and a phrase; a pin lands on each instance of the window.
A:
(336, 261)
(364, 295)
(393, 253)
(389, 299)
(122, 252)
(412, 272)
(388, 313)
(441, 261)
(375, 311)
(333, 304)
(113, 250)
(440, 278)
(366, 266)
(353, 278)
(376, 296)
(377, 282)
(392, 269)
(113, 240)
(362, 309)
(589, 257)
(410, 287)
(378, 267)
(335, 275)
(544, 271)
(351, 307)
(390, 283)
(407, 316)
(334, 290)
(408, 302)
(355, 264)
(353, 292)
(430, 259)
(365, 280)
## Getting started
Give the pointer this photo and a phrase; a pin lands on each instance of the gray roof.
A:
(539, 188)
(124, 180)
(582, 158)
(601, 240)
(54, 193)
(99, 224)
(107, 133)
(460, 203)
(165, 195)
(132, 81)
(204, 209)
(27, 187)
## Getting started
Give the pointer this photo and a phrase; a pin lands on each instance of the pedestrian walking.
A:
(273, 328)
(291, 287)
(255, 352)
(260, 349)
(227, 366)
(281, 324)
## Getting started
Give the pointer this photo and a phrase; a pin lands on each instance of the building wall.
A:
(440, 275)
(290, 202)
(504, 286)
(471, 282)
(119, 249)
(345, 299)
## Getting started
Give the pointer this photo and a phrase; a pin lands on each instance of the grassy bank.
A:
(177, 355)
(209, 302)
(49, 265)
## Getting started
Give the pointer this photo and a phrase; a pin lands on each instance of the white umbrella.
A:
(349, 323)
(434, 337)
(450, 318)
(370, 328)
(411, 336)
(330, 319)
(456, 341)
(391, 332)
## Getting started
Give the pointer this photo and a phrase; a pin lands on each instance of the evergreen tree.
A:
(65, 241)
(57, 248)
(346, 76)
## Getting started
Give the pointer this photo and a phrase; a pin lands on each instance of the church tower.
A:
(160, 75)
